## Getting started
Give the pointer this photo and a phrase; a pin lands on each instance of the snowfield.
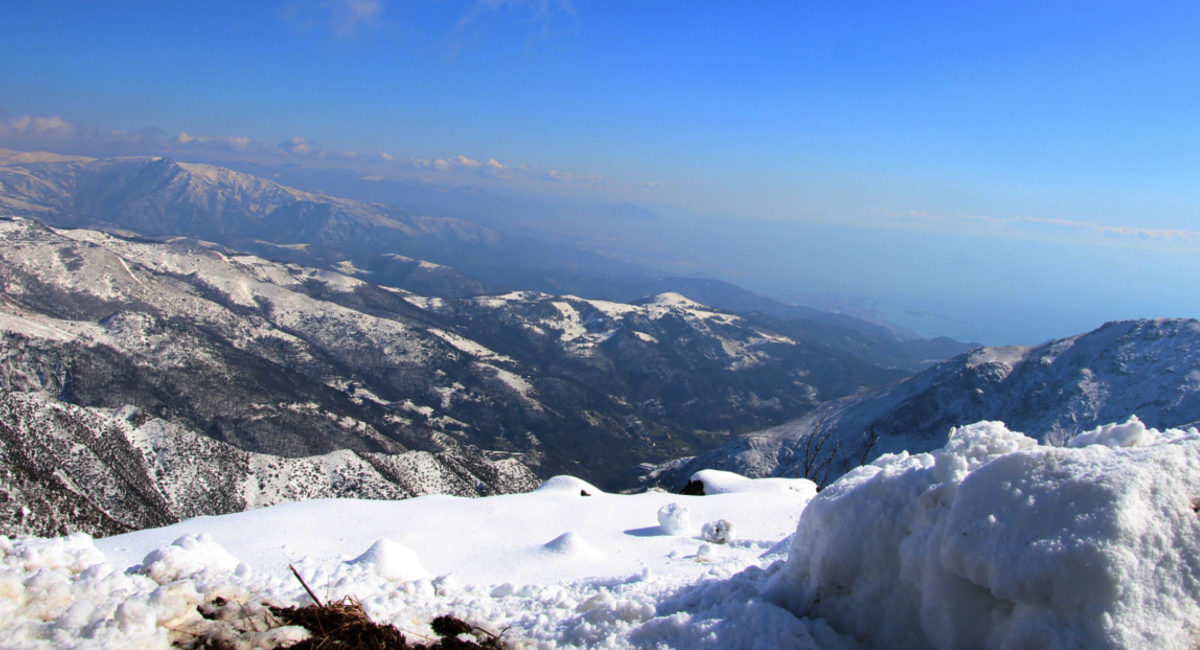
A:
(992, 541)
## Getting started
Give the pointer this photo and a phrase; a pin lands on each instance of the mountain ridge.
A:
(1146, 368)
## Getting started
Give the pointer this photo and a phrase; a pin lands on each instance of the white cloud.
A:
(54, 133)
(465, 163)
(459, 162)
(296, 145)
(228, 142)
(36, 125)
(387, 156)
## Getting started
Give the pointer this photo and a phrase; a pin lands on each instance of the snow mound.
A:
(392, 560)
(571, 545)
(568, 485)
(717, 481)
(995, 541)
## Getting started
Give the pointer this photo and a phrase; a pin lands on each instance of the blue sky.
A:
(1029, 169)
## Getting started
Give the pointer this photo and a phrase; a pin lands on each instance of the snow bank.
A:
(995, 541)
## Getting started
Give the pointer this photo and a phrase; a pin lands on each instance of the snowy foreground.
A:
(992, 541)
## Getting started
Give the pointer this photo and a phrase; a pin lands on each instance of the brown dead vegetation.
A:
(344, 624)
(341, 624)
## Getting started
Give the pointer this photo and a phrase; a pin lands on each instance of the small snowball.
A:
(717, 532)
(674, 519)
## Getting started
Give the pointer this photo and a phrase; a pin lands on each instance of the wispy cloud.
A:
(1041, 229)
(344, 19)
(571, 177)
(545, 18)
(350, 16)
(1131, 233)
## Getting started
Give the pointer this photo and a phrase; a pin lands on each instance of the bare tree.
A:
(818, 457)
(870, 438)
(816, 462)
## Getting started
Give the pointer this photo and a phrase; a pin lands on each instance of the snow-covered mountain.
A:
(1144, 368)
(66, 468)
(160, 197)
(290, 360)
(438, 256)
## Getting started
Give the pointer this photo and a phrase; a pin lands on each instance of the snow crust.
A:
(992, 541)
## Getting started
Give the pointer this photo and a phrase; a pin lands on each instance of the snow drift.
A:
(994, 541)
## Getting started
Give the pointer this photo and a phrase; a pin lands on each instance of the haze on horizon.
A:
(1005, 173)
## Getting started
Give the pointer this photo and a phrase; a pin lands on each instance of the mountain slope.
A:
(65, 468)
(1147, 368)
(291, 360)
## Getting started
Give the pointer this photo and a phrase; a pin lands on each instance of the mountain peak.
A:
(673, 299)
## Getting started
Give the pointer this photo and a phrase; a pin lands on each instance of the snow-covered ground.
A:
(991, 541)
